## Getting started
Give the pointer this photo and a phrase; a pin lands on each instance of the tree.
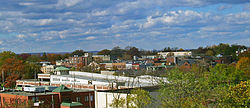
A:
(138, 98)
(167, 49)
(238, 96)
(44, 57)
(24, 56)
(243, 64)
(104, 52)
(116, 52)
(183, 89)
(77, 52)
(210, 53)
(30, 70)
(5, 55)
(33, 58)
(118, 102)
(13, 69)
(53, 57)
(132, 51)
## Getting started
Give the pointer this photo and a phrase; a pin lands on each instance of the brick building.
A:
(60, 97)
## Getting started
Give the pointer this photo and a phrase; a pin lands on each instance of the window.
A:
(56, 79)
(91, 98)
(86, 98)
(78, 99)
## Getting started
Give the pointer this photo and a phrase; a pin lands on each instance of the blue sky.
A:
(67, 25)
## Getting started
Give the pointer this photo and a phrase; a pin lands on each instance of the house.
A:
(101, 58)
(186, 63)
(119, 66)
(47, 67)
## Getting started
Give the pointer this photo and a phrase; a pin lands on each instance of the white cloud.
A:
(26, 4)
(1, 42)
(100, 13)
(174, 17)
(45, 21)
(67, 3)
(90, 38)
(20, 36)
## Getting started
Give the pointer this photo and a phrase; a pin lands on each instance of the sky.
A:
(68, 25)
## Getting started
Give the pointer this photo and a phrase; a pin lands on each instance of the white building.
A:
(47, 68)
(175, 54)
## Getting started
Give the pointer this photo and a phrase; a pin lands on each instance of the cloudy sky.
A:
(67, 25)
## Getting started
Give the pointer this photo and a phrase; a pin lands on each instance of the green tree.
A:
(132, 51)
(118, 102)
(116, 52)
(184, 89)
(30, 69)
(104, 52)
(78, 52)
(44, 57)
(33, 58)
(210, 53)
(138, 98)
(238, 96)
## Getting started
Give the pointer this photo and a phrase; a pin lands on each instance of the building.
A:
(61, 97)
(85, 80)
(174, 54)
(47, 67)
(101, 58)
(61, 71)
(119, 66)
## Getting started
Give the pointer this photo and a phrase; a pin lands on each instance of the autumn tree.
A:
(13, 69)
(243, 64)
(5, 55)
(53, 57)
(24, 56)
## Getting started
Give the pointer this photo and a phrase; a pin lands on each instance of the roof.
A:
(190, 61)
(62, 88)
(22, 93)
(61, 68)
(71, 104)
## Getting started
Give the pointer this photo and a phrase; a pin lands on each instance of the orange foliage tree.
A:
(13, 69)
(244, 65)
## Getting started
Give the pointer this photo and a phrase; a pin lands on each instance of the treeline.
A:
(220, 86)
(223, 86)
(222, 49)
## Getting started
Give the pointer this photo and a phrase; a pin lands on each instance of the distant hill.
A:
(41, 53)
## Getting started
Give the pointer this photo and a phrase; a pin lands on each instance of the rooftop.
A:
(22, 93)
(62, 88)
(72, 104)
(61, 68)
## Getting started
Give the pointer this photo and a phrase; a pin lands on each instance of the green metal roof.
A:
(71, 104)
(62, 88)
(61, 68)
